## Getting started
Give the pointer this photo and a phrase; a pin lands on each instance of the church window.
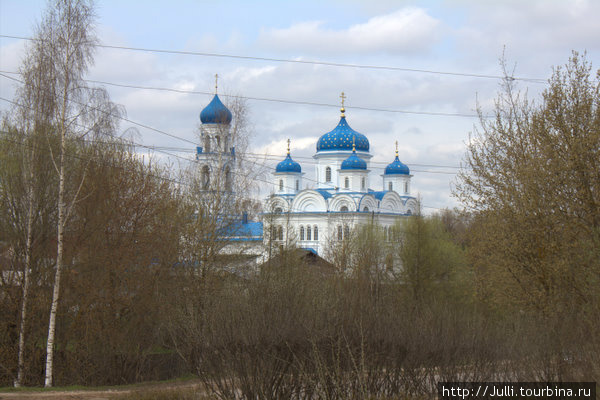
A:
(409, 212)
(297, 185)
(328, 174)
(344, 209)
(207, 144)
(362, 183)
(301, 233)
(278, 210)
(281, 185)
(405, 187)
(385, 233)
(340, 234)
(316, 233)
(227, 178)
(346, 183)
(308, 233)
(218, 142)
(205, 177)
(366, 209)
(346, 232)
(390, 186)
(280, 232)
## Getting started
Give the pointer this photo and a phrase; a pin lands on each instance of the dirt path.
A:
(104, 394)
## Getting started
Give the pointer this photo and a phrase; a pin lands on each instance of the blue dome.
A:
(397, 168)
(288, 165)
(341, 138)
(354, 162)
(215, 113)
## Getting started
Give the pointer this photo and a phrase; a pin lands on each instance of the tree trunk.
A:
(27, 269)
(59, 265)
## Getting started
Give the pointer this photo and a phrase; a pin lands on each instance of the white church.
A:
(339, 198)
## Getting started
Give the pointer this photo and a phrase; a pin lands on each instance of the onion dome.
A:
(397, 167)
(288, 165)
(354, 162)
(342, 137)
(215, 113)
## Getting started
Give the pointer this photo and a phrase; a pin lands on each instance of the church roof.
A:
(288, 165)
(354, 162)
(215, 113)
(397, 168)
(342, 137)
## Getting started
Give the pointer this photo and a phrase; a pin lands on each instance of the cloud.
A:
(408, 30)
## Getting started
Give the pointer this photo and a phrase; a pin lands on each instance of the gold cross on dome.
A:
(216, 82)
(343, 97)
(396, 148)
(288, 141)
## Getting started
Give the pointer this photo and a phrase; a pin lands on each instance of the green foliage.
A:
(433, 265)
(534, 182)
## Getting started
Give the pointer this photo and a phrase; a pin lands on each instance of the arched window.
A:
(409, 212)
(340, 233)
(227, 178)
(205, 177)
(346, 183)
(344, 209)
(278, 210)
(406, 187)
(280, 232)
(328, 174)
(297, 185)
(218, 142)
(281, 185)
(308, 233)
(346, 232)
(390, 186)
(207, 144)
(301, 233)
(273, 232)
(363, 183)
(316, 233)
(366, 209)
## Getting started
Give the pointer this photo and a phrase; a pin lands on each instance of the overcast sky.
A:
(466, 37)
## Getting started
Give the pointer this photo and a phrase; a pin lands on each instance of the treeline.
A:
(122, 235)
(368, 330)
(113, 272)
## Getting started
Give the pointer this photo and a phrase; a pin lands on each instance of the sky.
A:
(416, 102)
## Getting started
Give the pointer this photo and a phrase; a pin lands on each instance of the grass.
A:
(140, 385)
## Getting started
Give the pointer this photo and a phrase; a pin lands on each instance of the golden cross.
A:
(396, 148)
(216, 82)
(343, 97)
(288, 146)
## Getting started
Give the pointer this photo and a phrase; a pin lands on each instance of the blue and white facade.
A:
(341, 196)
(216, 153)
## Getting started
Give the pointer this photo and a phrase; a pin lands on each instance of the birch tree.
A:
(65, 41)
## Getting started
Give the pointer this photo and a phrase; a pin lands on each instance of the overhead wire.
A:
(284, 101)
(297, 61)
(141, 125)
(179, 137)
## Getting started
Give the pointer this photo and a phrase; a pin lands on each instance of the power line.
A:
(118, 116)
(194, 143)
(307, 62)
(272, 100)
(159, 131)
